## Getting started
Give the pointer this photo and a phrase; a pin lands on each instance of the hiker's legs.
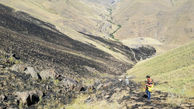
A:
(148, 94)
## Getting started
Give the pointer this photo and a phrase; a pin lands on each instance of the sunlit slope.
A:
(70, 17)
(78, 15)
(168, 21)
(173, 70)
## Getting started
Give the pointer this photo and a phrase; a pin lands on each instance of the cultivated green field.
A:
(174, 71)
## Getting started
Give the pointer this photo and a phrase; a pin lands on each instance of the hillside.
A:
(20, 32)
(68, 15)
(172, 71)
(40, 64)
(165, 24)
(72, 54)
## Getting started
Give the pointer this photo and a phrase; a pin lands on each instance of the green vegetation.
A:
(112, 34)
(174, 71)
(110, 11)
(111, 21)
(7, 59)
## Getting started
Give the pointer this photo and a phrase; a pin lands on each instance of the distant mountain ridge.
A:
(168, 21)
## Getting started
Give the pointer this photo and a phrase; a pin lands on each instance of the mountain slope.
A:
(169, 23)
(38, 42)
(79, 15)
(41, 67)
(172, 71)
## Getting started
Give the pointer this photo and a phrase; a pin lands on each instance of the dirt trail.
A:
(129, 96)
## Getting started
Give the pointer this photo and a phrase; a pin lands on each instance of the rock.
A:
(29, 97)
(18, 67)
(90, 89)
(107, 96)
(143, 52)
(49, 73)
(31, 71)
(99, 86)
(83, 89)
(25, 69)
(16, 56)
(130, 77)
(117, 90)
(126, 81)
(11, 108)
(88, 100)
(106, 85)
(2, 97)
(69, 83)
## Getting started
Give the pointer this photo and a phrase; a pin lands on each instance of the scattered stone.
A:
(127, 81)
(106, 85)
(69, 83)
(2, 97)
(49, 73)
(107, 96)
(99, 86)
(88, 100)
(83, 89)
(16, 56)
(117, 90)
(130, 77)
(11, 108)
(90, 89)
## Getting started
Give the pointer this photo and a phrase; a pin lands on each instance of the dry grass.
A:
(79, 104)
(174, 71)
(77, 15)
(74, 14)
(167, 21)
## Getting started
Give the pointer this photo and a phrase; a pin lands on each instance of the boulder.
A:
(49, 73)
(31, 71)
(2, 97)
(29, 97)
(69, 83)
(18, 67)
(25, 69)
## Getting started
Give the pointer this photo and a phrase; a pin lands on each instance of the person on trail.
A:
(149, 86)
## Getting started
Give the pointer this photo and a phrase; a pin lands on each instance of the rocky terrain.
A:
(23, 87)
(64, 58)
(130, 96)
(42, 67)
